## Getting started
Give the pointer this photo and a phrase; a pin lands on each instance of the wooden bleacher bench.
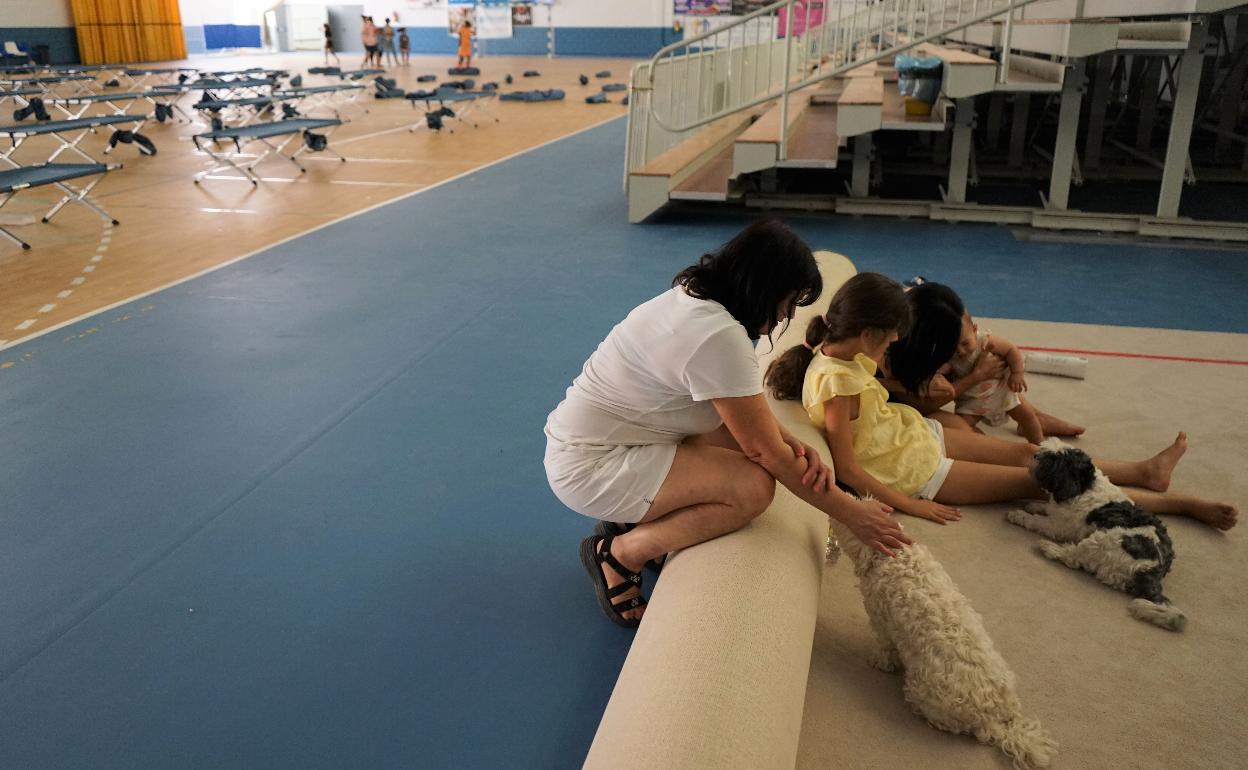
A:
(649, 185)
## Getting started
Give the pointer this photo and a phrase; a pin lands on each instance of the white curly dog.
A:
(954, 676)
(1099, 530)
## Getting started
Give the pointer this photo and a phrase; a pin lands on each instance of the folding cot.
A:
(468, 101)
(226, 145)
(76, 107)
(14, 180)
(249, 73)
(360, 74)
(234, 112)
(221, 89)
(139, 78)
(335, 98)
(49, 83)
(19, 95)
(18, 134)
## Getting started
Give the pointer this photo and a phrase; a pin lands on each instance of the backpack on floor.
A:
(315, 142)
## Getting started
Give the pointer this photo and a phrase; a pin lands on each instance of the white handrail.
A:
(730, 61)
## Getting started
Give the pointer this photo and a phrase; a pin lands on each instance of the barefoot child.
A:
(891, 452)
(992, 400)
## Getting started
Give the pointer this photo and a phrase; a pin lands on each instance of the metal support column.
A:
(996, 104)
(960, 151)
(861, 178)
(1097, 104)
(1149, 83)
(1181, 122)
(1233, 91)
(1067, 129)
(1018, 128)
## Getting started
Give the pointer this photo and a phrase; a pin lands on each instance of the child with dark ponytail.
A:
(879, 448)
(892, 453)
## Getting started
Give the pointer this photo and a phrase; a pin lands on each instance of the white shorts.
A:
(928, 491)
(610, 483)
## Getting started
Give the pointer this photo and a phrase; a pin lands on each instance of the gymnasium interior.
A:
(281, 325)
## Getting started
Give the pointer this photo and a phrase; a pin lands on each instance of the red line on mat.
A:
(1227, 361)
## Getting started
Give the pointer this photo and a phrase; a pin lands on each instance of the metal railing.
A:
(774, 51)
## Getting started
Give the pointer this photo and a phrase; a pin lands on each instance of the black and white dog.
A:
(1098, 529)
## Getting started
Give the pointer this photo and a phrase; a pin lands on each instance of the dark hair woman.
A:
(666, 438)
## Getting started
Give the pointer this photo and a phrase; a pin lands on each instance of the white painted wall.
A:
(36, 13)
(199, 12)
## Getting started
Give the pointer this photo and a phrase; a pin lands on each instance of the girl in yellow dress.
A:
(891, 452)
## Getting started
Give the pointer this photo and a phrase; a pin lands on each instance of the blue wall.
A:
(62, 42)
(231, 36)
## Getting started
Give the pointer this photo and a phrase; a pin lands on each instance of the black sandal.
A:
(592, 559)
(615, 529)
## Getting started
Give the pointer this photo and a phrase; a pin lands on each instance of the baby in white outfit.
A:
(992, 401)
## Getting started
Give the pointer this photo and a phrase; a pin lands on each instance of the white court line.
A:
(29, 322)
(345, 217)
(89, 269)
(47, 308)
(65, 294)
(404, 127)
(97, 258)
(78, 281)
(262, 179)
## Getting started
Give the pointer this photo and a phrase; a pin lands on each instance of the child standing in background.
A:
(465, 44)
(405, 46)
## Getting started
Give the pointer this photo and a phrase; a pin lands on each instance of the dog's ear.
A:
(1053, 444)
(1064, 473)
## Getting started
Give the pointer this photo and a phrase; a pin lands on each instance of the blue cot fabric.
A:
(552, 95)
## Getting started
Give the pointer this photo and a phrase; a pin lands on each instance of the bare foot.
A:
(614, 579)
(1218, 515)
(1162, 465)
(1054, 426)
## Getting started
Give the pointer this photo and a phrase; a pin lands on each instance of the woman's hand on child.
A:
(1018, 383)
(934, 511)
(870, 523)
(939, 387)
(990, 366)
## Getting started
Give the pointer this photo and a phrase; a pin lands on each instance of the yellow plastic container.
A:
(917, 106)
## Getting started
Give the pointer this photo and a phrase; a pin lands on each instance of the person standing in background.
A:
(329, 47)
(465, 44)
(387, 44)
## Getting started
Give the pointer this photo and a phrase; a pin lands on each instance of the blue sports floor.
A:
(292, 513)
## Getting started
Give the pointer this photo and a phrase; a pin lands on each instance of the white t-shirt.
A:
(652, 379)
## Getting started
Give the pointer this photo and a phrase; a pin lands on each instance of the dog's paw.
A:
(1052, 550)
(1016, 517)
(884, 660)
(1036, 509)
